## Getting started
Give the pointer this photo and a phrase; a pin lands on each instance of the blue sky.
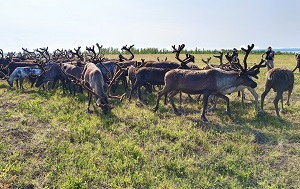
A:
(209, 24)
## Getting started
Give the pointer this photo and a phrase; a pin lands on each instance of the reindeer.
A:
(241, 88)
(155, 75)
(23, 72)
(53, 74)
(92, 80)
(207, 82)
(75, 71)
(280, 80)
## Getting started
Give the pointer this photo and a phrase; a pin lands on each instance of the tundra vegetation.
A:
(49, 141)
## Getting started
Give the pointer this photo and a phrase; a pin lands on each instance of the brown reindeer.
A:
(207, 82)
(92, 80)
(155, 75)
(280, 80)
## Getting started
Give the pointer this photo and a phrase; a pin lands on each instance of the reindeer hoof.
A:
(287, 103)
(260, 113)
(283, 111)
(145, 102)
(211, 109)
(279, 118)
(178, 113)
(204, 119)
(155, 109)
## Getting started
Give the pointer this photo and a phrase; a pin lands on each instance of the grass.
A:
(48, 141)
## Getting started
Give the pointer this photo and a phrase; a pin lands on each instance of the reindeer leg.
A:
(278, 96)
(164, 91)
(205, 102)
(165, 101)
(140, 94)
(263, 95)
(191, 98)
(21, 84)
(243, 98)
(89, 102)
(64, 86)
(282, 108)
(74, 88)
(125, 84)
(215, 101)
(133, 89)
(253, 92)
(289, 96)
(227, 102)
(180, 98)
(198, 98)
(171, 97)
(54, 83)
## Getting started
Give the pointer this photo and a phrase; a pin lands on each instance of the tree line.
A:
(150, 50)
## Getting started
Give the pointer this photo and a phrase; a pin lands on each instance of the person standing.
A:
(270, 58)
(235, 55)
(297, 57)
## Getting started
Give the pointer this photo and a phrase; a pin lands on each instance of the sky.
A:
(208, 24)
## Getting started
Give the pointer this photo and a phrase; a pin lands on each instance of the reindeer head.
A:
(103, 104)
(248, 73)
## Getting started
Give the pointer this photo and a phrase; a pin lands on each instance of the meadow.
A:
(47, 140)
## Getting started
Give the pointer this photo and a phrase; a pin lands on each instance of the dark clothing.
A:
(234, 56)
(270, 55)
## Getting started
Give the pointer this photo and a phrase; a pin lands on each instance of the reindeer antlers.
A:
(77, 53)
(126, 48)
(219, 57)
(100, 56)
(177, 51)
(122, 58)
(189, 58)
(206, 61)
(92, 50)
(247, 51)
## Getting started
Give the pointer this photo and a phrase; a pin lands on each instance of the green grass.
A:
(48, 141)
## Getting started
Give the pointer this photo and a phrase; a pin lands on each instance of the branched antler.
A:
(189, 58)
(92, 50)
(247, 51)
(100, 55)
(122, 58)
(219, 57)
(77, 53)
(206, 61)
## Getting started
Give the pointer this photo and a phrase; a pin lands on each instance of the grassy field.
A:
(48, 141)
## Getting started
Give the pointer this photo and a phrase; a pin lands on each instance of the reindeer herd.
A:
(100, 76)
